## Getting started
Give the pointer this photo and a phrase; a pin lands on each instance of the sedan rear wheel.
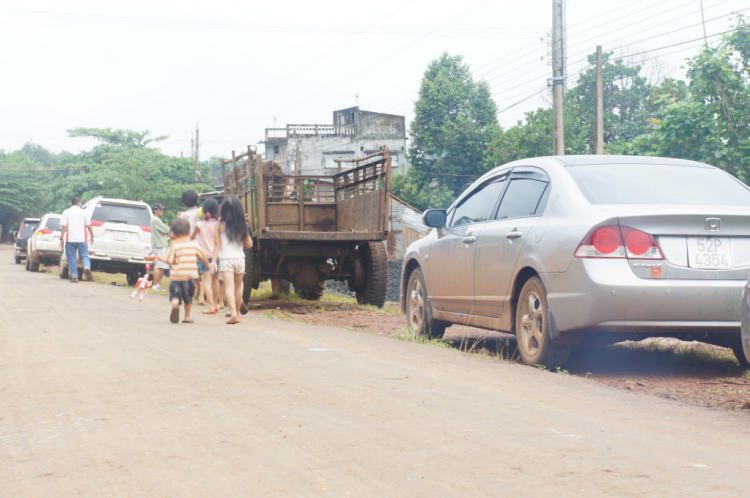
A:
(419, 310)
(532, 328)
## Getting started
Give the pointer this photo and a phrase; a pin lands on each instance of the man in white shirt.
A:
(75, 223)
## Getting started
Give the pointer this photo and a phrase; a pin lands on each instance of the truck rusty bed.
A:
(349, 206)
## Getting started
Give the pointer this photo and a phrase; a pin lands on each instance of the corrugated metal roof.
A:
(403, 214)
(413, 219)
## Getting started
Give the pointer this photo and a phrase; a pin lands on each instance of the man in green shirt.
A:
(159, 243)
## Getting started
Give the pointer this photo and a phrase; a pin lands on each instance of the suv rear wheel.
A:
(62, 270)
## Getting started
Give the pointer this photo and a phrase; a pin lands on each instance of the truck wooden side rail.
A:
(308, 229)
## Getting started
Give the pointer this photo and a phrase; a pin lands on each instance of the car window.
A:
(119, 213)
(521, 199)
(658, 184)
(52, 224)
(478, 206)
(27, 229)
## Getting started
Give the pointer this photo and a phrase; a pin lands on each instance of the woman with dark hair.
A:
(229, 237)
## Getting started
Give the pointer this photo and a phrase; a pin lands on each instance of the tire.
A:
(32, 265)
(252, 268)
(28, 263)
(419, 309)
(131, 277)
(532, 328)
(62, 270)
(375, 262)
(740, 354)
(18, 260)
(279, 285)
(313, 293)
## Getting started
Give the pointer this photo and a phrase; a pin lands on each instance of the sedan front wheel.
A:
(532, 328)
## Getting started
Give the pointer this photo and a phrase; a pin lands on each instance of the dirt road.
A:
(102, 396)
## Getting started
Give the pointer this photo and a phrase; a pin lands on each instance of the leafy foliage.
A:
(124, 166)
(455, 120)
(713, 124)
(21, 190)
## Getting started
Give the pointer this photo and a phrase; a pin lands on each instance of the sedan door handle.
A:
(513, 235)
(469, 240)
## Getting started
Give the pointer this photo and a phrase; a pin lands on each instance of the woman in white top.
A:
(229, 238)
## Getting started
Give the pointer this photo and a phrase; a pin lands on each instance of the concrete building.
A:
(311, 149)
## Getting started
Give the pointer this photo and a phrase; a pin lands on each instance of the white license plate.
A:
(713, 253)
(120, 236)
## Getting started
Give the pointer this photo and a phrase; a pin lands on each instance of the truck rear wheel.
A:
(375, 263)
(313, 293)
(251, 280)
(280, 285)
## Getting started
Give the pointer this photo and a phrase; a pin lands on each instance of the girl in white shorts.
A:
(229, 238)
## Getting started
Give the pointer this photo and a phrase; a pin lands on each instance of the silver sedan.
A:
(570, 249)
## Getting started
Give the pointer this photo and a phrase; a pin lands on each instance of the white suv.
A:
(122, 237)
(43, 246)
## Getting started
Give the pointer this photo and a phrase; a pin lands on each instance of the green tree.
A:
(22, 191)
(630, 106)
(454, 122)
(125, 165)
(713, 124)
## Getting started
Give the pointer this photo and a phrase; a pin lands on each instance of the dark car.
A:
(28, 225)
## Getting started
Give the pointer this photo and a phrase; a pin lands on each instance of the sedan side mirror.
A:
(434, 218)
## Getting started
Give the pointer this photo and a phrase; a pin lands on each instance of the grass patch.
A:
(409, 335)
(694, 353)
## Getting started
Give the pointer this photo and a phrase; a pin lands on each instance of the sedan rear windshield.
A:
(658, 184)
(119, 213)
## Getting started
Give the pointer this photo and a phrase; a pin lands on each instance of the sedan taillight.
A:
(614, 241)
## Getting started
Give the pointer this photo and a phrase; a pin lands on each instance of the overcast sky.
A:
(236, 68)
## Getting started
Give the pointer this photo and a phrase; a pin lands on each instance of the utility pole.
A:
(599, 148)
(703, 18)
(197, 154)
(558, 79)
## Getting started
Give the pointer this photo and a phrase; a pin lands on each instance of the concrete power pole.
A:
(197, 154)
(558, 79)
(599, 147)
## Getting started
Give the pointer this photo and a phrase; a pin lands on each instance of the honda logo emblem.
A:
(713, 224)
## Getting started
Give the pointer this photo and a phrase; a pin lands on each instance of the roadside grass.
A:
(691, 354)
(407, 334)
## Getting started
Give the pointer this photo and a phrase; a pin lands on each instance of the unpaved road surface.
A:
(102, 396)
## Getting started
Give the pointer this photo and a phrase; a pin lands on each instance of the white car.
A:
(43, 246)
(122, 237)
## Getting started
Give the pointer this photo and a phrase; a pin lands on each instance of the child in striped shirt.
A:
(183, 257)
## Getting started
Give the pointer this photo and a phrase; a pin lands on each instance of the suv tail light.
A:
(96, 223)
(614, 241)
(146, 228)
(44, 232)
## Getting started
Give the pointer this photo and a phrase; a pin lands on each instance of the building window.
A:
(275, 150)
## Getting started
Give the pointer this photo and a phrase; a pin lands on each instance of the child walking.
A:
(142, 285)
(229, 237)
(205, 231)
(183, 259)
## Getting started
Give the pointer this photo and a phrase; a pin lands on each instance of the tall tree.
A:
(454, 122)
(21, 190)
(713, 124)
(125, 165)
